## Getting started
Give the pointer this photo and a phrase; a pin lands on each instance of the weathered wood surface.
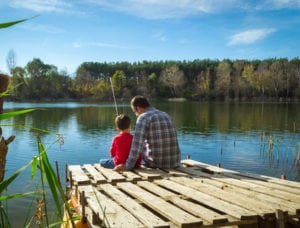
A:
(194, 195)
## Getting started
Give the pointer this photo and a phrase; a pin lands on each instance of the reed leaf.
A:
(35, 162)
(16, 195)
(30, 127)
(11, 23)
(8, 115)
(4, 184)
(52, 180)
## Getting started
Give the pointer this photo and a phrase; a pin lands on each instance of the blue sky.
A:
(69, 32)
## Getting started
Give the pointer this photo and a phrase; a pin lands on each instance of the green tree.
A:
(118, 81)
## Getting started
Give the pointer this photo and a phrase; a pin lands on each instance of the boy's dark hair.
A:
(122, 121)
(139, 101)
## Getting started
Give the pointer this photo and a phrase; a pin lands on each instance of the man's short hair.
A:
(140, 101)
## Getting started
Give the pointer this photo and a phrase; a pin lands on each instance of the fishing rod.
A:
(113, 93)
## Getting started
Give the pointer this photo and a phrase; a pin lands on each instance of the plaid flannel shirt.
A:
(156, 138)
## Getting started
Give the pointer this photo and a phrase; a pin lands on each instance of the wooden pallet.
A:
(194, 195)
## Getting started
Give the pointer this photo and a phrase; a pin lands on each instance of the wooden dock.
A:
(194, 195)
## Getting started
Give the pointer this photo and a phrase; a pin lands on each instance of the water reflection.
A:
(236, 135)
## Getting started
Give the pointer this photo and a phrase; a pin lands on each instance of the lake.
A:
(235, 134)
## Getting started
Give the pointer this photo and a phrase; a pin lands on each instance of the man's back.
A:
(158, 132)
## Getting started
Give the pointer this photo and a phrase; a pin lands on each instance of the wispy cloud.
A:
(160, 36)
(250, 36)
(59, 6)
(164, 9)
(42, 28)
(77, 44)
(279, 4)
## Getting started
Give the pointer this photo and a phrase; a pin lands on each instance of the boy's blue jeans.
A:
(107, 163)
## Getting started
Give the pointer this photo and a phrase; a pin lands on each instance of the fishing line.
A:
(113, 93)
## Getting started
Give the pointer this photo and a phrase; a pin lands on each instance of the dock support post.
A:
(57, 172)
(82, 201)
(280, 218)
(66, 173)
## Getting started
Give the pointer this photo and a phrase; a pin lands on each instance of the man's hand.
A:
(119, 168)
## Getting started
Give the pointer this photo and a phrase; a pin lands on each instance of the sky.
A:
(67, 33)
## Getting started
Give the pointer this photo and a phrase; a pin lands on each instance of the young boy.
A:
(121, 144)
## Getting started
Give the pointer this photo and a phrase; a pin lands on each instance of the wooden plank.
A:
(238, 199)
(97, 177)
(112, 176)
(150, 174)
(144, 215)
(294, 186)
(209, 216)
(78, 176)
(217, 204)
(273, 202)
(277, 180)
(262, 191)
(189, 162)
(295, 191)
(212, 196)
(89, 216)
(231, 179)
(264, 187)
(174, 214)
(131, 176)
(175, 172)
(108, 211)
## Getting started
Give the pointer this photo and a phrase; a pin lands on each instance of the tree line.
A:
(194, 80)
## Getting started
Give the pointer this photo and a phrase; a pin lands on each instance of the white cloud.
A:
(42, 5)
(250, 36)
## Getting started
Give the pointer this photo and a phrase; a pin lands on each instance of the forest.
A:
(269, 79)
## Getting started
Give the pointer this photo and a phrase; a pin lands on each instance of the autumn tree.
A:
(222, 85)
(84, 83)
(260, 78)
(11, 60)
(203, 81)
(102, 90)
(173, 77)
(277, 70)
(248, 78)
(237, 84)
(18, 83)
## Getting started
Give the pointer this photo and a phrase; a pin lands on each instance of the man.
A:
(155, 137)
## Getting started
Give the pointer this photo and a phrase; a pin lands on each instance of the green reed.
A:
(43, 170)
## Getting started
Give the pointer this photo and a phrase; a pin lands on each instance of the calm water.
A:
(234, 134)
